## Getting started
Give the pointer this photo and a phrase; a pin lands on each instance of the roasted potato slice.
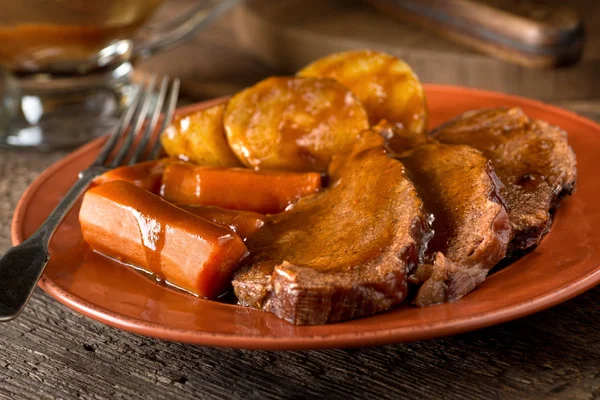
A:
(199, 137)
(386, 85)
(293, 123)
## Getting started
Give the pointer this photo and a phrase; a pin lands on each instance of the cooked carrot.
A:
(265, 192)
(244, 223)
(134, 226)
(146, 175)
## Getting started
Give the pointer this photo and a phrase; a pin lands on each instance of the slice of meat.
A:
(342, 253)
(469, 221)
(532, 159)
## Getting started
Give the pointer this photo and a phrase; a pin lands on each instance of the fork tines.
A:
(135, 137)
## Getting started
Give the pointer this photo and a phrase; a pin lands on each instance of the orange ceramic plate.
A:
(565, 264)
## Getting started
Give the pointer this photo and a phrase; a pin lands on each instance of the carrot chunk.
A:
(244, 223)
(265, 192)
(146, 175)
(136, 227)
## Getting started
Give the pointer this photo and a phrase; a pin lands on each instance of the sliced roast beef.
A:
(532, 159)
(343, 253)
(470, 224)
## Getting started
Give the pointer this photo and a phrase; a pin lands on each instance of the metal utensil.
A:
(22, 265)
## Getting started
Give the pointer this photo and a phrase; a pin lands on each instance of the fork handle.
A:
(22, 265)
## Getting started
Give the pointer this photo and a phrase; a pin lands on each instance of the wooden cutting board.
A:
(288, 34)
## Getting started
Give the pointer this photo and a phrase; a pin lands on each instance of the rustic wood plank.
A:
(51, 352)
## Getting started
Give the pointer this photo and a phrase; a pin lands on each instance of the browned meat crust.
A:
(470, 223)
(532, 159)
(343, 253)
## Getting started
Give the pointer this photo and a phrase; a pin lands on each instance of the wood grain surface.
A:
(220, 62)
(288, 34)
(51, 352)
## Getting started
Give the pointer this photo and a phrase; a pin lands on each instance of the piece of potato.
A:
(199, 137)
(386, 85)
(293, 123)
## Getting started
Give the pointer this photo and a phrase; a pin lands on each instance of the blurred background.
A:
(70, 66)
(263, 37)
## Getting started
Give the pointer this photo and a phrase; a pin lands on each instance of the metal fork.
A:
(22, 265)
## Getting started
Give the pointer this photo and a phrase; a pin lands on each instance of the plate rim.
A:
(346, 339)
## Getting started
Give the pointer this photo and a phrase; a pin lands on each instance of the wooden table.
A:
(51, 352)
